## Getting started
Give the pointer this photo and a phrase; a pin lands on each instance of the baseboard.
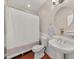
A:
(20, 50)
(22, 54)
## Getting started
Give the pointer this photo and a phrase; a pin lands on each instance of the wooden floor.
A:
(30, 55)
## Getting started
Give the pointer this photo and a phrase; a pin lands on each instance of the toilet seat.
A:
(37, 48)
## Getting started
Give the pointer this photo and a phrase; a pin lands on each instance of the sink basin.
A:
(63, 44)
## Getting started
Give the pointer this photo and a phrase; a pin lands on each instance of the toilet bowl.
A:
(39, 49)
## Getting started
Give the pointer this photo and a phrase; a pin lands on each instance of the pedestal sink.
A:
(61, 46)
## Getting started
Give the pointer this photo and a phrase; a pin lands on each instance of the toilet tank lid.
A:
(43, 37)
(38, 47)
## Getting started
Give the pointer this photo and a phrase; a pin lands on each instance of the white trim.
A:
(20, 50)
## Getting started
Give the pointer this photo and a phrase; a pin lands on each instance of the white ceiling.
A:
(22, 4)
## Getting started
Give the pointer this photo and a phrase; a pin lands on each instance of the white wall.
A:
(21, 28)
(45, 17)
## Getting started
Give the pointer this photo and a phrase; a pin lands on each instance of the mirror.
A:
(63, 18)
(70, 19)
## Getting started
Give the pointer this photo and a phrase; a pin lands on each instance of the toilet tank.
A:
(44, 40)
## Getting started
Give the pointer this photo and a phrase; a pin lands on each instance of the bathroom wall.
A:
(45, 17)
(45, 14)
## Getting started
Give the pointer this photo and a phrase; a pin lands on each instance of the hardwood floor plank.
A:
(30, 55)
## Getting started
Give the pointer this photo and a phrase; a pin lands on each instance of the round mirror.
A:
(63, 18)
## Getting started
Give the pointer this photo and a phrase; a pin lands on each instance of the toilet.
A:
(39, 49)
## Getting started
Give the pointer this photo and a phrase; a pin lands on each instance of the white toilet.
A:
(39, 49)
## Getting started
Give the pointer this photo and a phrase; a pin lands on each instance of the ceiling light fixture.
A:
(56, 2)
(28, 5)
(53, 0)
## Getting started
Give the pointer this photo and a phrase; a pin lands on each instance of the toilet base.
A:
(39, 55)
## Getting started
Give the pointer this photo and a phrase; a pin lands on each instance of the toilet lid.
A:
(37, 48)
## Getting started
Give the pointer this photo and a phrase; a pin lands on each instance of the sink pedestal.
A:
(61, 47)
(53, 53)
(59, 55)
(69, 56)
